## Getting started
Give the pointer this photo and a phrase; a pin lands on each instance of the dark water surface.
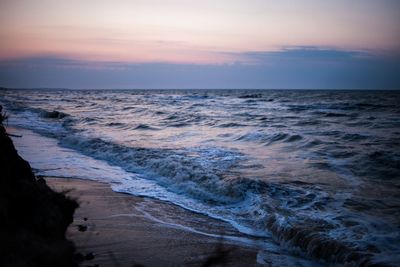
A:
(317, 172)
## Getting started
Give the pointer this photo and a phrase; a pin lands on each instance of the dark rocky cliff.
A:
(33, 218)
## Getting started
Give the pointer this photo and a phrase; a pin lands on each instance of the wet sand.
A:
(124, 230)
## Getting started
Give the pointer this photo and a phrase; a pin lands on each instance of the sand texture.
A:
(124, 230)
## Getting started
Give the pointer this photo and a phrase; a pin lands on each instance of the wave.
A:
(330, 109)
(312, 240)
(333, 114)
(202, 179)
(144, 127)
(198, 173)
(251, 96)
(230, 124)
(269, 139)
(53, 114)
(116, 124)
(355, 137)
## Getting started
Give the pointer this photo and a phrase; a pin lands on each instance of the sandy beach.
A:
(124, 230)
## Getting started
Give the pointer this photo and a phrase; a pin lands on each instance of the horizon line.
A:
(194, 88)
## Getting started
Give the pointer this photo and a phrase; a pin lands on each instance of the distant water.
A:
(317, 172)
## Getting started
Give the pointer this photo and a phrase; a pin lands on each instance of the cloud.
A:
(291, 67)
(304, 54)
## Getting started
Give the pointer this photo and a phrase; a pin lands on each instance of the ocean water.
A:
(313, 175)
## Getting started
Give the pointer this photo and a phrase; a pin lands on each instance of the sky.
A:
(313, 44)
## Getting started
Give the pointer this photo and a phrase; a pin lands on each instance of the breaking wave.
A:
(306, 169)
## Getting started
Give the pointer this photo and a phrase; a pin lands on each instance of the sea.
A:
(312, 175)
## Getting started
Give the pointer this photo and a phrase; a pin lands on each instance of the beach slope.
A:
(124, 230)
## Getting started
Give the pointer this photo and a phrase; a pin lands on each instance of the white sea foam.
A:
(266, 167)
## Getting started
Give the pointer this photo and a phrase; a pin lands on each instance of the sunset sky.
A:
(200, 44)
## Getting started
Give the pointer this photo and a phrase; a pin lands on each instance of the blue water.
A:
(316, 173)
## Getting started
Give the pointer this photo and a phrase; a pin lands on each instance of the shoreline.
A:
(124, 230)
